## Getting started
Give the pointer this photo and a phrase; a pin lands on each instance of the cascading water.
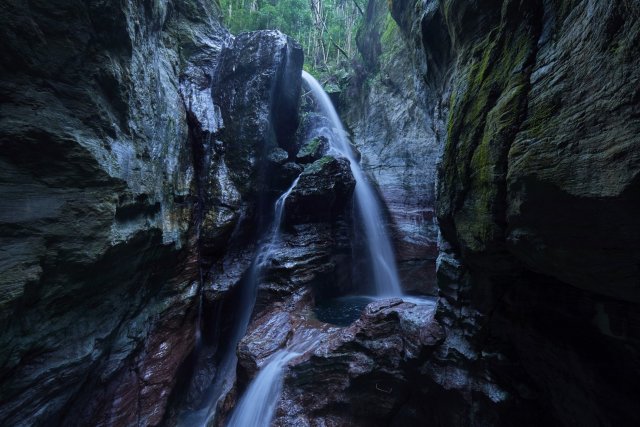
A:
(226, 370)
(258, 404)
(379, 250)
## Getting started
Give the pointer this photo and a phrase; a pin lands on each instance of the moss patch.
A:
(391, 40)
(488, 104)
(317, 166)
(311, 149)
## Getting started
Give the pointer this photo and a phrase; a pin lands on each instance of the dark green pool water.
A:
(341, 311)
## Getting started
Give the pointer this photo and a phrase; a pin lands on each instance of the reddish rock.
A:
(358, 375)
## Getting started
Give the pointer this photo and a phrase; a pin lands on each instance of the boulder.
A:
(360, 375)
(323, 191)
(257, 87)
(256, 90)
(313, 150)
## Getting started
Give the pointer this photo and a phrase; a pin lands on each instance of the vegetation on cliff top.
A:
(326, 29)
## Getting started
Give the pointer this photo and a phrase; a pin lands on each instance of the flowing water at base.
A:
(226, 369)
(259, 402)
(381, 259)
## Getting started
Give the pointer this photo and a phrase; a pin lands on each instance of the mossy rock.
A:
(320, 166)
(313, 150)
(323, 191)
(488, 105)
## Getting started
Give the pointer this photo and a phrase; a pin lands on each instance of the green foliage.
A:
(288, 16)
(325, 28)
(317, 166)
(391, 39)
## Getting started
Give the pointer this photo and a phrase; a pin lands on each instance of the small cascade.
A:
(266, 250)
(259, 402)
(204, 161)
(226, 370)
(380, 254)
(199, 321)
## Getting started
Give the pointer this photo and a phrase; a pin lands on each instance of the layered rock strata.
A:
(538, 186)
(99, 267)
(397, 123)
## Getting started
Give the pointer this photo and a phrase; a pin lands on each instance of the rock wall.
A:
(251, 155)
(397, 124)
(538, 203)
(142, 148)
(540, 169)
(99, 261)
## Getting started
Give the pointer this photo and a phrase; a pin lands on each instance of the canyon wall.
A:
(143, 147)
(99, 269)
(537, 200)
(397, 124)
(536, 107)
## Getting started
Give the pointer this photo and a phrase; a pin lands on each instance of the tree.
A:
(325, 28)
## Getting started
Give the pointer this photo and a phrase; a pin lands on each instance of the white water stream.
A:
(380, 252)
(226, 370)
(258, 404)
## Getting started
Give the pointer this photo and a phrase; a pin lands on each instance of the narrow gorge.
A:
(320, 213)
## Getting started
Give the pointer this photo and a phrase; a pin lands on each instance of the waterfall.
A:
(258, 404)
(226, 370)
(379, 250)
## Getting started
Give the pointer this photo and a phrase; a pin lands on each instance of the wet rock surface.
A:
(244, 167)
(118, 191)
(324, 189)
(518, 187)
(142, 148)
(258, 89)
(397, 124)
(355, 375)
(312, 150)
(317, 254)
(363, 370)
(523, 275)
(98, 261)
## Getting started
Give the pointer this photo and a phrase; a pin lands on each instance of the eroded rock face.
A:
(258, 89)
(540, 252)
(578, 148)
(363, 369)
(241, 133)
(398, 126)
(357, 375)
(256, 93)
(525, 139)
(322, 192)
(98, 265)
(104, 237)
(317, 254)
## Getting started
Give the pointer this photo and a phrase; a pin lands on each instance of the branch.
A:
(358, 6)
(341, 50)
